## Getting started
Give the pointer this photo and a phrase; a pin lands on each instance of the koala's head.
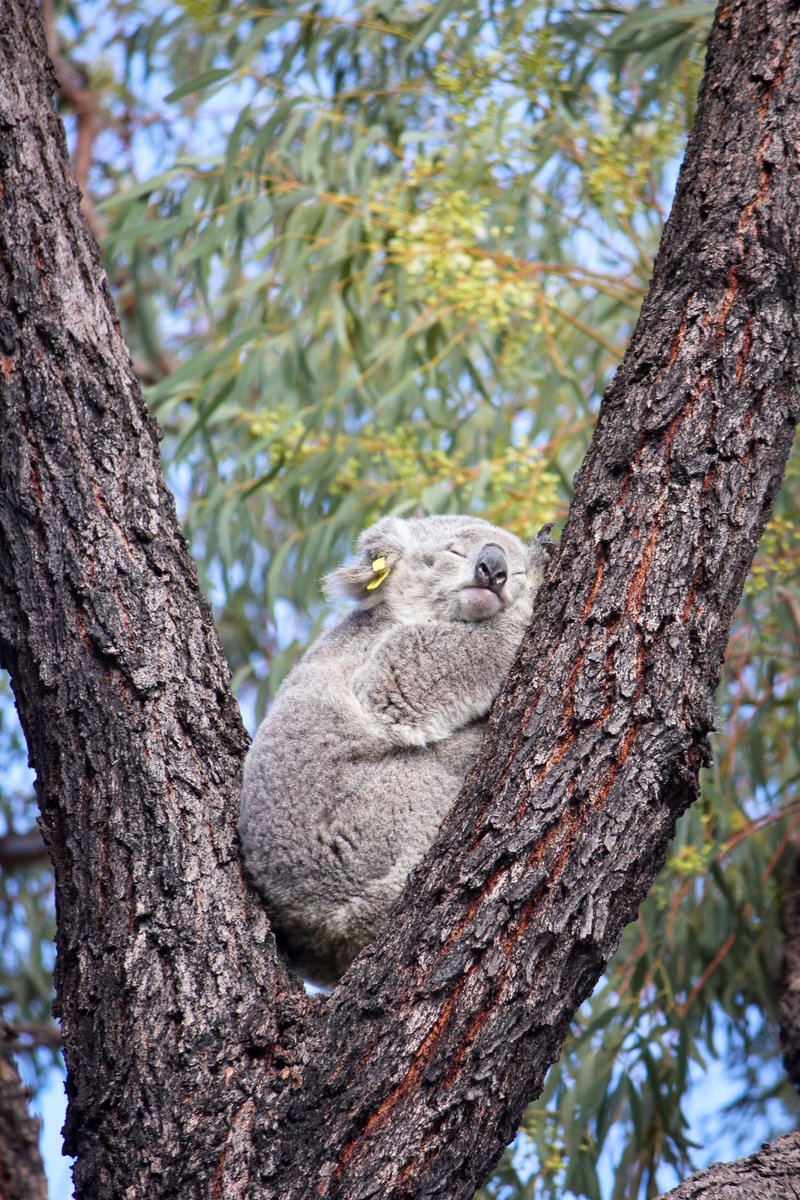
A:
(441, 569)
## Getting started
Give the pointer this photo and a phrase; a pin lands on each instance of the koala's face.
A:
(440, 569)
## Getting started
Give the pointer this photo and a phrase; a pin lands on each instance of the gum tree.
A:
(197, 1066)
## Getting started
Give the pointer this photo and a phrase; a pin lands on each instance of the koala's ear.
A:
(379, 548)
(353, 583)
(541, 550)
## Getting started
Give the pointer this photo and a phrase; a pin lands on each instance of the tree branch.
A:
(772, 1173)
(26, 1034)
(166, 971)
(451, 1019)
(22, 849)
(21, 1170)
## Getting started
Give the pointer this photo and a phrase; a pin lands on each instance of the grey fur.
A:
(373, 732)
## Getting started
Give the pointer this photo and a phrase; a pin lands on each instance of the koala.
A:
(372, 733)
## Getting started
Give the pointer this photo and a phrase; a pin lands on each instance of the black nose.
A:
(491, 569)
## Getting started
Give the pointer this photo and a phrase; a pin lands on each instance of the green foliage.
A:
(375, 278)
(386, 258)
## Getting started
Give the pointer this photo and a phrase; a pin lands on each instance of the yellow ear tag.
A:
(380, 570)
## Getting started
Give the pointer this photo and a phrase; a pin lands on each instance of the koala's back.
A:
(334, 816)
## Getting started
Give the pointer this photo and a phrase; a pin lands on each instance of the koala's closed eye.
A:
(371, 735)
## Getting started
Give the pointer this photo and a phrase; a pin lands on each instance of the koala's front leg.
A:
(423, 682)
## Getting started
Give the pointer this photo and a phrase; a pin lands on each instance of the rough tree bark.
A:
(21, 1170)
(197, 1067)
(772, 1173)
(163, 955)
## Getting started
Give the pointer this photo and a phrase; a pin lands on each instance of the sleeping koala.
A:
(372, 734)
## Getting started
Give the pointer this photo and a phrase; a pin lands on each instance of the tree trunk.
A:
(164, 956)
(21, 1170)
(197, 1067)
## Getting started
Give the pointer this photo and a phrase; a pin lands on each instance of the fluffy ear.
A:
(379, 548)
(541, 551)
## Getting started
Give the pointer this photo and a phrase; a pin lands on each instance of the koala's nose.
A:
(491, 569)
